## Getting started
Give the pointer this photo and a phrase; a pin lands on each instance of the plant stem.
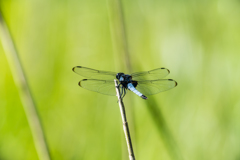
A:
(124, 35)
(125, 123)
(119, 33)
(24, 91)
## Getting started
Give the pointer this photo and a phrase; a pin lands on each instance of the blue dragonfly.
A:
(141, 83)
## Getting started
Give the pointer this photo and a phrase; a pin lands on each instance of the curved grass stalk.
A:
(24, 91)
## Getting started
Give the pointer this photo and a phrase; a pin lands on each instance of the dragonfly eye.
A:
(119, 75)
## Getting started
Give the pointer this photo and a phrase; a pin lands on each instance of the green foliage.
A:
(198, 41)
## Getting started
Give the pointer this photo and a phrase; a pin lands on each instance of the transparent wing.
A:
(150, 87)
(150, 75)
(100, 86)
(93, 73)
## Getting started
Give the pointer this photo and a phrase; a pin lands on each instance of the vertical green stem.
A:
(118, 29)
(24, 91)
(124, 35)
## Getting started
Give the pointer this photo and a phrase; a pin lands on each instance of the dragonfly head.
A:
(119, 75)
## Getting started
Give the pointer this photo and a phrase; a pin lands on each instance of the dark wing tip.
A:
(76, 67)
(174, 81)
(79, 83)
(166, 69)
(73, 69)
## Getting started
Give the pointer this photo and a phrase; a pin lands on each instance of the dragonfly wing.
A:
(101, 86)
(94, 74)
(149, 75)
(150, 87)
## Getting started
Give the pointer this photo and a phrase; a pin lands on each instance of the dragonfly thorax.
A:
(124, 77)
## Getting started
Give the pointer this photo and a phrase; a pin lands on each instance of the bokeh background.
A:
(198, 41)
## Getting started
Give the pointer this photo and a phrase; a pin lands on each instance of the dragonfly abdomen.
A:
(134, 90)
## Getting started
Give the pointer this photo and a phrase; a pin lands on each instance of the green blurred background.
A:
(198, 41)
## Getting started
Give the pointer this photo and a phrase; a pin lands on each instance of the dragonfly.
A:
(142, 84)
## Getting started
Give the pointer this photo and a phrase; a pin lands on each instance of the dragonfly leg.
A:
(120, 89)
(124, 92)
(121, 92)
